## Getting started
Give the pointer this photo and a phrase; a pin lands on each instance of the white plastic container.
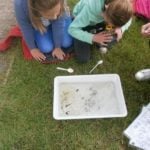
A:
(88, 96)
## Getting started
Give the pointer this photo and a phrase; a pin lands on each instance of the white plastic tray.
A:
(88, 96)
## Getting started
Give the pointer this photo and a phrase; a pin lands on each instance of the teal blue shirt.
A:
(88, 12)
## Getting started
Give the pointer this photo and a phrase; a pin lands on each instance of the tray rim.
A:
(99, 77)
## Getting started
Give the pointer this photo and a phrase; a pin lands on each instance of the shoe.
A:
(143, 75)
(51, 60)
(103, 50)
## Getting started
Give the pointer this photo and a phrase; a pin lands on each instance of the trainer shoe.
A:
(143, 75)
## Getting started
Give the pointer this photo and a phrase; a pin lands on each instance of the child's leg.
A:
(44, 41)
(82, 51)
(67, 39)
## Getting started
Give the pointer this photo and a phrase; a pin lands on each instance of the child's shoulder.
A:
(95, 5)
(21, 7)
(20, 2)
(92, 2)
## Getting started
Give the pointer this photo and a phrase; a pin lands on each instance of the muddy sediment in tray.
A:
(82, 99)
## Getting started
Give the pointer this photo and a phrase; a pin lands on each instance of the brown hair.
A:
(36, 6)
(119, 12)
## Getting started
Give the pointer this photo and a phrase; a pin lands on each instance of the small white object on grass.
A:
(103, 50)
(98, 63)
(69, 70)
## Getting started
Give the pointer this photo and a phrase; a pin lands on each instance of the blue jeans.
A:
(45, 41)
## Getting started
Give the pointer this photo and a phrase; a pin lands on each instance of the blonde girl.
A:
(44, 25)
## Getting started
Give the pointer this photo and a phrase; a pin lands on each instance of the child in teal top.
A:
(91, 14)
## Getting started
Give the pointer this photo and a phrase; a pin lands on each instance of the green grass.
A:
(26, 101)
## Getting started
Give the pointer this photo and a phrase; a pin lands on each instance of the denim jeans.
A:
(45, 41)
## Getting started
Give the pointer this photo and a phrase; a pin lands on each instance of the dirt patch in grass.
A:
(7, 20)
(6, 62)
(7, 17)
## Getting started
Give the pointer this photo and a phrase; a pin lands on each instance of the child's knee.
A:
(67, 43)
(46, 48)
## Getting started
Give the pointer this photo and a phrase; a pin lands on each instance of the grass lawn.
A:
(26, 100)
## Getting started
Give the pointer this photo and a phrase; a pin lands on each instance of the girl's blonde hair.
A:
(119, 12)
(37, 6)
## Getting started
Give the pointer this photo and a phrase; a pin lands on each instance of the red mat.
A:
(15, 32)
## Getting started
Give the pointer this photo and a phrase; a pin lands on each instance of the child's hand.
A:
(145, 30)
(102, 38)
(119, 33)
(58, 53)
(37, 54)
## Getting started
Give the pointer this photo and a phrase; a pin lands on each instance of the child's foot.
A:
(143, 75)
(49, 59)
(103, 50)
(52, 60)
